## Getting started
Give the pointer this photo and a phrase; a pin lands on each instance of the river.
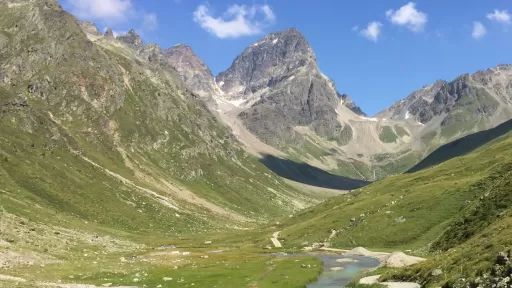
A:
(339, 278)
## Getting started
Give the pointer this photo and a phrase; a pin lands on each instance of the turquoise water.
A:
(340, 278)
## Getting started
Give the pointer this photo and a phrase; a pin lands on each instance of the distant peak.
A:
(180, 49)
(131, 38)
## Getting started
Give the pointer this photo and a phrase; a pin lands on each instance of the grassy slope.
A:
(473, 239)
(428, 200)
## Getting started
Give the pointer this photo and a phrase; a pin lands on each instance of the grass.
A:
(387, 135)
(401, 132)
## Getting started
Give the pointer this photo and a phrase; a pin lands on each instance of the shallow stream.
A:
(343, 272)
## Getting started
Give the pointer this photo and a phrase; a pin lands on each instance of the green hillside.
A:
(406, 211)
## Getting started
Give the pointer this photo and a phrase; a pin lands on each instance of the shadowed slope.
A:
(307, 174)
(462, 146)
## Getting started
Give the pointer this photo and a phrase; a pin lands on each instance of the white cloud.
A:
(500, 16)
(409, 17)
(373, 30)
(238, 20)
(478, 30)
(150, 22)
(109, 11)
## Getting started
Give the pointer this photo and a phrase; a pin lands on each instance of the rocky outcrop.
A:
(89, 27)
(347, 102)
(416, 101)
(109, 33)
(132, 39)
(196, 75)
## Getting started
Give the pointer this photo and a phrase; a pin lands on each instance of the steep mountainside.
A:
(98, 132)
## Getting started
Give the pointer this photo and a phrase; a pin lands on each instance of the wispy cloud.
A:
(237, 21)
(409, 17)
(373, 31)
(502, 16)
(107, 11)
(479, 30)
(150, 22)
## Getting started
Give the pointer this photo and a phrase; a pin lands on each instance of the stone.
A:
(437, 272)
(400, 219)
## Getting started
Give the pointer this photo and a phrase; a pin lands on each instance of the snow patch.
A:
(291, 78)
(221, 83)
(370, 119)
(275, 41)
(407, 115)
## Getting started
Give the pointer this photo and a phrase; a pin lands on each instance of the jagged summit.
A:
(266, 62)
(109, 33)
(131, 38)
(89, 27)
(192, 70)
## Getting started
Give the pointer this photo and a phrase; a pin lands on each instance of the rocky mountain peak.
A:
(196, 75)
(131, 38)
(267, 61)
(180, 48)
(89, 27)
(109, 33)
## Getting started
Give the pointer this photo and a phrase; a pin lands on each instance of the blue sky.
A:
(376, 51)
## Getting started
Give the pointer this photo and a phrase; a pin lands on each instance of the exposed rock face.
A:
(131, 38)
(416, 101)
(266, 62)
(89, 27)
(347, 102)
(109, 33)
(279, 80)
(196, 75)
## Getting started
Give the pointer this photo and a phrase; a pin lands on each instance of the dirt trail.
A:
(275, 241)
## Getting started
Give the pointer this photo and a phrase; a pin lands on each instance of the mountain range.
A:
(276, 101)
